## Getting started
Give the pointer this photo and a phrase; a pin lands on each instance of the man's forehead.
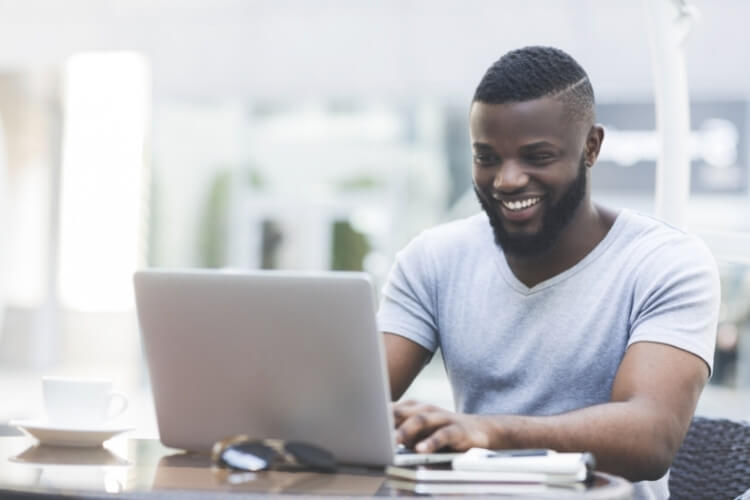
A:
(538, 118)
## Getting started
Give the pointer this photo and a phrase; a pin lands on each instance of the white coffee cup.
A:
(81, 402)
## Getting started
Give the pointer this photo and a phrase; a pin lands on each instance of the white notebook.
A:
(479, 459)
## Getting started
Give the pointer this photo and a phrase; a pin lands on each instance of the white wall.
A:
(246, 48)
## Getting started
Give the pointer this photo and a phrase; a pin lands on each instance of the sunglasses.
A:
(242, 453)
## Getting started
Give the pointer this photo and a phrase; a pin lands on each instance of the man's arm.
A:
(405, 360)
(635, 435)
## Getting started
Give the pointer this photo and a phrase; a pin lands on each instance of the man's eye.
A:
(484, 159)
(540, 157)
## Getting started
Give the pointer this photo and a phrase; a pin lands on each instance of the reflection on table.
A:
(145, 467)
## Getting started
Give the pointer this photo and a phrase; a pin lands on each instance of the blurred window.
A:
(106, 105)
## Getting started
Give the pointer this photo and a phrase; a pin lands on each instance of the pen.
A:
(529, 452)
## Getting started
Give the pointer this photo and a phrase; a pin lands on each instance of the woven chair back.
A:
(713, 462)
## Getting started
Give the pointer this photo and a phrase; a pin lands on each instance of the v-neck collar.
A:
(599, 249)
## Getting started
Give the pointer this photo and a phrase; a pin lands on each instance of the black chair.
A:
(713, 462)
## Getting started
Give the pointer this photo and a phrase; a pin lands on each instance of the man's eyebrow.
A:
(481, 145)
(539, 144)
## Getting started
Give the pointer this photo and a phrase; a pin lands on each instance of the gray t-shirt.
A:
(555, 347)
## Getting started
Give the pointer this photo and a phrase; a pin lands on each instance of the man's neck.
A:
(583, 233)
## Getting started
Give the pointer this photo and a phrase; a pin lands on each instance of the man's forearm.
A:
(627, 439)
(635, 435)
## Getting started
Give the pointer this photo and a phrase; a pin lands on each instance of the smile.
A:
(517, 205)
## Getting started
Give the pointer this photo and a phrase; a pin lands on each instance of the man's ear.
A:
(594, 141)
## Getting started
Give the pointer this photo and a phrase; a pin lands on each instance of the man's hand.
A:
(427, 428)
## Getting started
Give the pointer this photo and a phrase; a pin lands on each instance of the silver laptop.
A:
(270, 354)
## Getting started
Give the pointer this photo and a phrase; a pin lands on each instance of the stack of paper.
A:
(500, 488)
(485, 471)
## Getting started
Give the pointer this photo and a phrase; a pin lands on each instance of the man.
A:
(563, 324)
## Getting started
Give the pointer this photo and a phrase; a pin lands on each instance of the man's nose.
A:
(510, 177)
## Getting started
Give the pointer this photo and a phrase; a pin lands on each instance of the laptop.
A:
(271, 354)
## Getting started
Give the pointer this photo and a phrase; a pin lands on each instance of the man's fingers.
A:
(450, 436)
(459, 435)
(419, 425)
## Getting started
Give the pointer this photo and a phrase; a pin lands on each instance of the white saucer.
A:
(59, 435)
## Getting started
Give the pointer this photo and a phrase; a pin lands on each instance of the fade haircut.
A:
(533, 72)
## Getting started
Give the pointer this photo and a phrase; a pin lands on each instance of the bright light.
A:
(3, 217)
(106, 109)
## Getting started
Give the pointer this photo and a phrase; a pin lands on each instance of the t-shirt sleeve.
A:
(407, 306)
(677, 299)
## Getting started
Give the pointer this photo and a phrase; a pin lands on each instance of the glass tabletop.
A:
(142, 468)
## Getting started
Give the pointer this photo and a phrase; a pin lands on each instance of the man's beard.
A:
(554, 220)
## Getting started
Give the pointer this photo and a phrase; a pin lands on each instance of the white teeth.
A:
(521, 204)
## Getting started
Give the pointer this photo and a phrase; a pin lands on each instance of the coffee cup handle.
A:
(120, 401)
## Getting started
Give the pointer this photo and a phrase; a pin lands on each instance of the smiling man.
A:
(563, 324)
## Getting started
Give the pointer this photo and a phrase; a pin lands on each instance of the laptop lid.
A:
(270, 354)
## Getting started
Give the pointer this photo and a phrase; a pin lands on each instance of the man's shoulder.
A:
(647, 227)
(656, 240)
(451, 241)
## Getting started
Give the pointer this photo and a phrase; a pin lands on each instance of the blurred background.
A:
(308, 135)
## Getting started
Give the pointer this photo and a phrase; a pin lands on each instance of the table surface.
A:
(143, 468)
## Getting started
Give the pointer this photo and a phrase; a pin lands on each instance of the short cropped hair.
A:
(533, 72)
